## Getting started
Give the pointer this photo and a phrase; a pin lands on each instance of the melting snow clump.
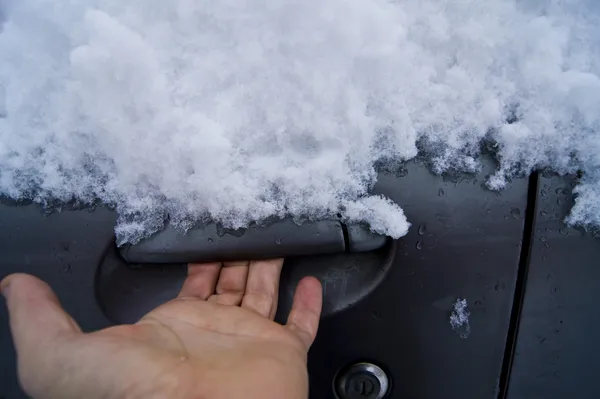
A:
(459, 319)
(240, 111)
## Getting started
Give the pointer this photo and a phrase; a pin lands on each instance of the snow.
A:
(239, 111)
(459, 319)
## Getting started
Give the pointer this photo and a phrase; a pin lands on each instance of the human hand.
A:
(216, 340)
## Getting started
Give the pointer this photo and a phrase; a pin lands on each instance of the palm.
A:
(218, 331)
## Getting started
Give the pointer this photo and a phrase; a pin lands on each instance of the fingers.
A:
(262, 287)
(303, 319)
(232, 283)
(253, 285)
(201, 280)
(35, 314)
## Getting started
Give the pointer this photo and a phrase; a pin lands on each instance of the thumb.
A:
(36, 317)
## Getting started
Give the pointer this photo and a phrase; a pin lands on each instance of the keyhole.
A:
(361, 380)
(363, 387)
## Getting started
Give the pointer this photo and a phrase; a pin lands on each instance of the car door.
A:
(464, 306)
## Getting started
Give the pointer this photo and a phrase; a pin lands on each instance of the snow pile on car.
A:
(238, 111)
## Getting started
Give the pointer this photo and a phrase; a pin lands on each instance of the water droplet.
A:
(543, 238)
(210, 240)
(441, 192)
(419, 245)
(544, 194)
(558, 202)
(488, 211)
(515, 213)
(66, 269)
(547, 244)
(563, 231)
(278, 241)
(376, 315)
(401, 172)
(422, 229)
(559, 191)
(543, 213)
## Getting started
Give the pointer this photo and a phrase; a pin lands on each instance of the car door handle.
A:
(283, 238)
